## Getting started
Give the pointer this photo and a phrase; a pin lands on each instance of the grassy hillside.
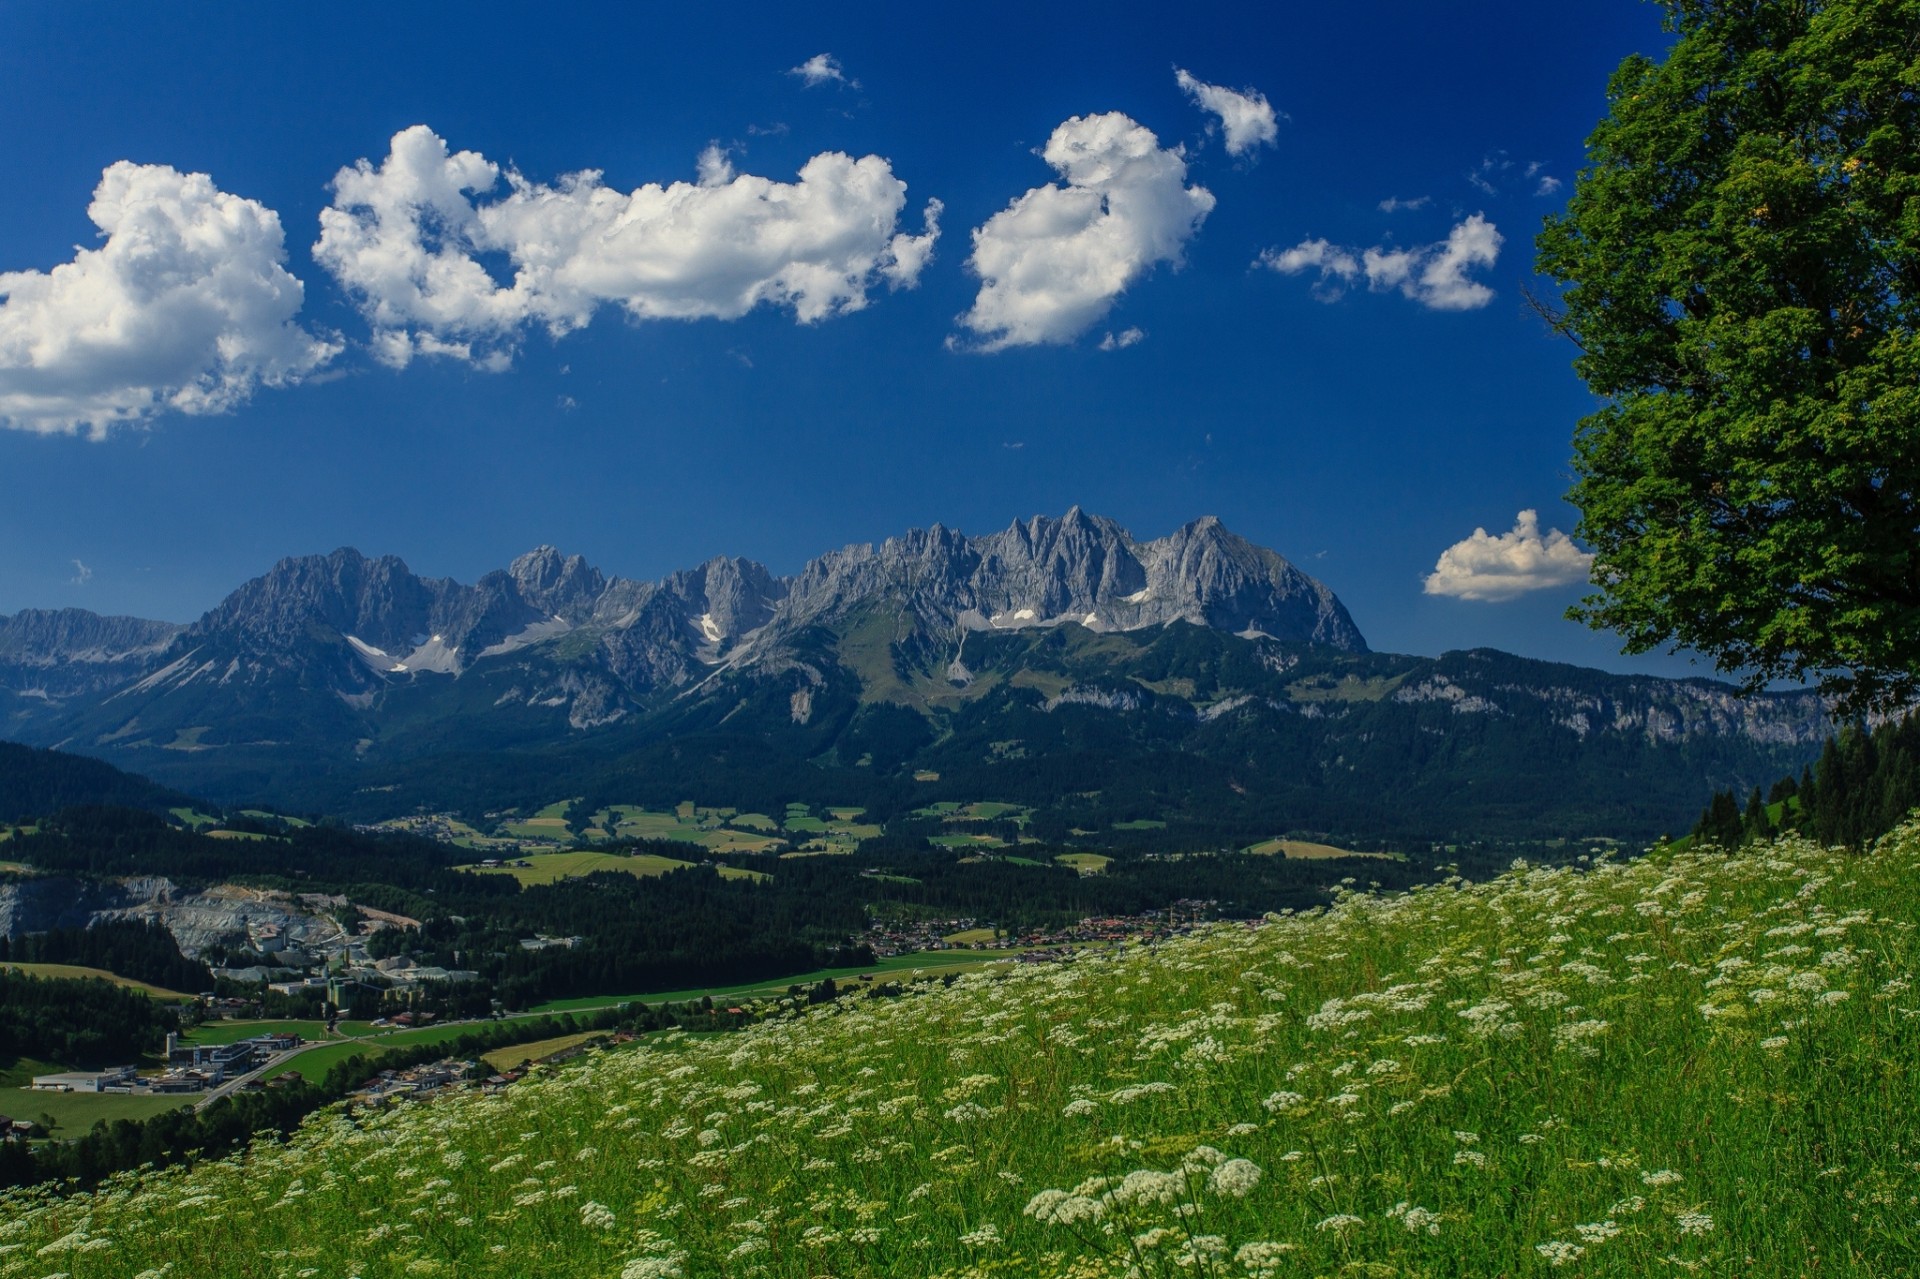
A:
(99, 974)
(1688, 1063)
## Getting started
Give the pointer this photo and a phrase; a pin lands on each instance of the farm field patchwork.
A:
(690, 823)
(1506, 1078)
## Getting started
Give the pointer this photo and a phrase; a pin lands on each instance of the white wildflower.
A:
(1235, 1178)
(1415, 1218)
(1558, 1252)
(985, 1236)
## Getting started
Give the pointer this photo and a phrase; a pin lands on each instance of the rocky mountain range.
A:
(336, 672)
(356, 627)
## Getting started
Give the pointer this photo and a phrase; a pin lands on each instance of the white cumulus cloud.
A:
(1434, 275)
(1486, 567)
(1052, 263)
(1123, 339)
(185, 306)
(1247, 119)
(823, 68)
(406, 239)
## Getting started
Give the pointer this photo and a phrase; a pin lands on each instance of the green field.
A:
(97, 974)
(501, 1059)
(1144, 823)
(230, 1032)
(315, 1064)
(692, 824)
(1085, 863)
(75, 1113)
(969, 936)
(547, 868)
(974, 842)
(1307, 850)
(1675, 1065)
(264, 815)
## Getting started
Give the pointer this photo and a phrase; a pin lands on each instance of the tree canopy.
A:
(1739, 265)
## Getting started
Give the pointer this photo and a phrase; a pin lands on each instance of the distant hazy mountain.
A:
(49, 658)
(329, 673)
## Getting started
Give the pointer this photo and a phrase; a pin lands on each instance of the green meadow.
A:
(97, 974)
(1685, 1063)
(546, 868)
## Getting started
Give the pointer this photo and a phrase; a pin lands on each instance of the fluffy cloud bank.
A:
(1052, 263)
(405, 240)
(1247, 119)
(1434, 275)
(1484, 567)
(185, 306)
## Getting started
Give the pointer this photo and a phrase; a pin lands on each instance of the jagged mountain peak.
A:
(1080, 568)
(347, 629)
(563, 586)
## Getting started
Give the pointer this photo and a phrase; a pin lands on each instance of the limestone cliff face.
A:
(1084, 569)
(352, 628)
(334, 654)
(51, 658)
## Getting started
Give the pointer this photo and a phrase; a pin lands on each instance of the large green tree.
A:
(1740, 268)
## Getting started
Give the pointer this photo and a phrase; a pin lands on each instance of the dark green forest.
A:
(86, 1023)
(1866, 782)
(143, 951)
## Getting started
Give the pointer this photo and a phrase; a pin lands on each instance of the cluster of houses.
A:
(912, 936)
(190, 1068)
(416, 1081)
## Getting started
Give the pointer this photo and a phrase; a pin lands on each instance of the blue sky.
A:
(1359, 414)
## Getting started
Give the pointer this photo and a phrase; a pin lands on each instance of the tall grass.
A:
(1685, 1063)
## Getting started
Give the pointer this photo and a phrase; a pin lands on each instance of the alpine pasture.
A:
(1692, 1062)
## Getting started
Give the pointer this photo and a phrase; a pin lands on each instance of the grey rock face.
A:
(223, 915)
(349, 627)
(1083, 569)
(51, 657)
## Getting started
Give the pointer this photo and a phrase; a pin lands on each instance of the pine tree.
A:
(1754, 824)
